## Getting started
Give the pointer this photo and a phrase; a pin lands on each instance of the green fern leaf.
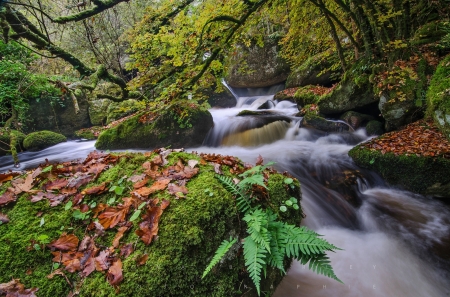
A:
(254, 256)
(320, 264)
(257, 222)
(256, 179)
(276, 258)
(242, 201)
(220, 252)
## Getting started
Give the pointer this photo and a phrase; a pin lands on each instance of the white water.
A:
(395, 243)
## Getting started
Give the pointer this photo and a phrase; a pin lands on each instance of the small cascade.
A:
(258, 136)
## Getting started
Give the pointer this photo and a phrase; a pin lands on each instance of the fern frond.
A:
(257, 223)
(242, 201)
(254, 256)
(220, 252)
(256, 179)
(320, 264)
(276, 257)
(302, 241)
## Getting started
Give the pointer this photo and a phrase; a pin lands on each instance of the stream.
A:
(394, 243)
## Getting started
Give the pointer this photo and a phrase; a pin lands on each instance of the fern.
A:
(254, 255)
(220, 252)
(242, 201)
(270, 241)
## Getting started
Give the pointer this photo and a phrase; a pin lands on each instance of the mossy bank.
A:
(190, 228)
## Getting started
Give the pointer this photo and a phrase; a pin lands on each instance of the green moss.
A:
(5, 140)
(438, 97)
(89, 133)
(418, 174)
(42, 139)
(304, 96)
(122, 109)
(183, 124)
(190, 231)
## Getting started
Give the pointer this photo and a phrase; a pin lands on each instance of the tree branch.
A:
(99, 7)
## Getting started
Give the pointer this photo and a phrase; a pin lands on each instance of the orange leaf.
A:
(95, 189)
(66, 242)
(114, 275)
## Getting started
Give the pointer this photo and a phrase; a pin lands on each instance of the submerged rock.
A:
(184, 124)
(42, 139)
(311, 120)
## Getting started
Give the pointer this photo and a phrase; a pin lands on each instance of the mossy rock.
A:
(89, 133)
(184, 124)
(311, 120)
(424, 175)
(190, 231)
(305, 96)
(438, 97)
(42, 139)
(98, 111)
(118, 110)
(5, 140)
(351, 93)
(374, 128)
(431, 32)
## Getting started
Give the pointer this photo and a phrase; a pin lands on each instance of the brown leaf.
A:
(141, 259)
(96, 169)
(259, 160)
(21, 185)
(156, 186)
(217, 168)
(86, 243)
(102, 261)
(95, 189)
(7, 197)
(7, 176)
(41, 195)
(79, 180)
(4, 218)
(164, 204)
(66, 242)
(56, 184)
(192, 163)
(148, 228)
(57, 200)
(119, 235)
(173, 189)
(15, 289)
(77, 199)
(136, 178)
(141, 183)
(114, 275)
(113, 216)
(126, 250)
(59, 272)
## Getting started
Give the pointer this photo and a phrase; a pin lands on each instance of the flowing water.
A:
(395, 243)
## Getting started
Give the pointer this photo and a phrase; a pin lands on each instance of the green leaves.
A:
(254, 256)
(221, 251)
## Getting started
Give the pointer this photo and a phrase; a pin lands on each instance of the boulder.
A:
(42, 139)
(420, 174)
(356, 119)
(374, 128)
(349, 94)
(222, 98)
(98, 111)
(438, 97)
(58, 115)
(257, 66)
(118, 110)
(184, 124)
(311, 120)
(398, 113)
(312, 72)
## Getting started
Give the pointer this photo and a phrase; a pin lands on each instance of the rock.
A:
(311, 72)
(257, 67)
(90, 133)
(42, 139)
(58, 116)
(305, 96)
(118, 110)
(374, 128)
(356, 119)
(423, 175)
(223, 99)
(398, 113)
(5, 140)
(314, 121)
(184, 124)
(98, 111)
(349, 94)
(438, 97)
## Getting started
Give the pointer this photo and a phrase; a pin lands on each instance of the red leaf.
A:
(56, 184)
(66, 242)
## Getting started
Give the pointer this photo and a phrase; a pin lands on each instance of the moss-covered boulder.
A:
(42, 139)
(5, 140)
(118, 110)
(374, 128)
(311, 120)
(420, 174)
(184, 124)
(305, 96)
(316, 70)
(190, 227)
(351, 93)
(438, 97)
(258, 65)
(98, 111)
(89, 133)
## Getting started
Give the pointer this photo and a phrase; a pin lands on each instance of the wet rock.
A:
(356, 119)
(374, 128)
(314, 121)
(398, 113)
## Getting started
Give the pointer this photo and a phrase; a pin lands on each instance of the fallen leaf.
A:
(156, 186)
(173, 189)
(259, 160)
(102, 261)
(192, 163)
(21, 185)
(141, 259)
(217, 168)
(66, 242)
(113, 216)
(136, 178)
(7, 176)
(95, 189)
(96, 169)
(126, 250)
(15, 289)
(119, 235)
(79, 180)
(56, 184)
(59, 272)
(148, 228)
(7, 197)
(4, 218)
(141, 183)
(114, 275)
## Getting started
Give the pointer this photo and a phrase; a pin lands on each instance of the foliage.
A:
(270, 240)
